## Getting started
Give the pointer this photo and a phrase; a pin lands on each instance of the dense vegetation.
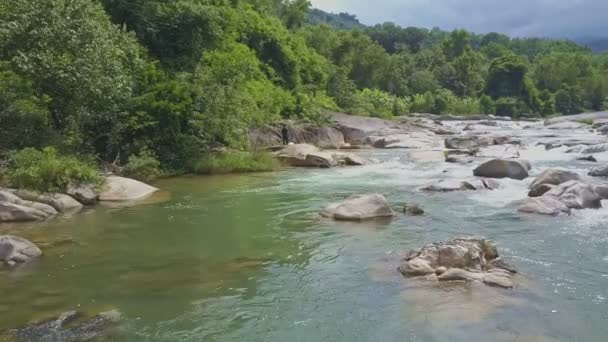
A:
(161, 83)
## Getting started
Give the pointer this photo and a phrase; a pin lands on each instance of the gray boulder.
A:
(544, 205)
(84, 194)
(503, 168)
(550, 177)
(599, 148)
(468, 259)
(324, 137)
(600, 171)
(305, 155)
(15, 250)
(120, 189)
(14, 209)
(359, 208)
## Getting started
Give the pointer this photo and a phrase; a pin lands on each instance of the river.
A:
(247, 258)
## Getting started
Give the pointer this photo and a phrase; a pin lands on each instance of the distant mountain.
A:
(343, 21)
(597, 45)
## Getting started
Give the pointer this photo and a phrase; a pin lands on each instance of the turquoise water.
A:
(247, 258)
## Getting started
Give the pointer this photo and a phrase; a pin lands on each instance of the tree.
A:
(487, 104)
(568, 100)
(506, 76)
(457, 44)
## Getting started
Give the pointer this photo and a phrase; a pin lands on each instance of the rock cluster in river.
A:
(305, 155)
(466, 259)
(562, 198)
(18, 205)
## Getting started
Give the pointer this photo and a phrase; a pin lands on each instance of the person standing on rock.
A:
(285, 135)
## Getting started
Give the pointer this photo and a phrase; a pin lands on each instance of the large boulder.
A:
(599, 148)
(325, 137)
(306, 155)
(84, 194)
(359, 208)
(15, 209)
(120, 189)
(564, 197)
(469, 259)
(550, 177)
(15, 250)
(600, 171)
(503, 168)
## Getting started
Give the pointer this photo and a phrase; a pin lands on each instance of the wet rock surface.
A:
(465, 259)
(562, 198)
(15, 250)
(359, 208)
(503, 168)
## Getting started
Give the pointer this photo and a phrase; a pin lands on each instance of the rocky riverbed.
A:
(425, 226)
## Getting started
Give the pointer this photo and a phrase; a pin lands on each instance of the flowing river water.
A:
(247, 258)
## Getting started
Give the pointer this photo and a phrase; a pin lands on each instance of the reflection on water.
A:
(246, 257)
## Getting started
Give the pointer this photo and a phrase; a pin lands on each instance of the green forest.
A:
(162, 83)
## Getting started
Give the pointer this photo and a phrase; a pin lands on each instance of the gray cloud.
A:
(551, 18)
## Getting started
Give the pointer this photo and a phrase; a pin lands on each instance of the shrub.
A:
(507, 106)
(48, 171)
(235, 162)
(144, 167)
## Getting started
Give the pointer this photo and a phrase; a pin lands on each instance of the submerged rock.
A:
(69, 326)
(11, 212)
(413, 209)
(120, 189)
(15, 250)
(359, 208)
(549, 177)
(588, 158)
(544, 206)
(305, 155)
(468, 259)
(503, 168)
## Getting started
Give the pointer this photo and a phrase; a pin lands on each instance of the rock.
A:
(588, 158)
(358, 208)
(416, 267)
(15, 250)
(304, 155)
(467, 142)
(454, 274)
(324, 137)
(601, 190)
(69, 326)
(461, 185)
(599, 148)
(120, 189)
(498, 263)
(567, 125)
(11, 212)
(61, 202)
(503, 168)
(469, 259)
(413, 210)
(544, 206)
(498, 279)
(550, 177)
(84, 194)
(576, 195)
(600, 171)
(353, 160)
(540, 190)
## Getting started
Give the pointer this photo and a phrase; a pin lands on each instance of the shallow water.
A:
(247, 258)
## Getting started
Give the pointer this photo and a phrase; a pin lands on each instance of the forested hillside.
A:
(172, 79)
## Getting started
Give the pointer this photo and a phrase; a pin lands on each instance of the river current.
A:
(247, 258)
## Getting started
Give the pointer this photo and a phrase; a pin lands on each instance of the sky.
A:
(521, 18)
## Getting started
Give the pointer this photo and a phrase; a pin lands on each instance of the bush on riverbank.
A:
(144, 167)
(235, 162)
(48, 171)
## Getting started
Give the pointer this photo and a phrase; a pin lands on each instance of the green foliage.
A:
(568, 101)
(48, 171)
(508, 106)
(487, 105)
(229, 162)
(506, 76)
(143, 166)
(372, 102)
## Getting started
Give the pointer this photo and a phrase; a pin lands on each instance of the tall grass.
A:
(235, 162)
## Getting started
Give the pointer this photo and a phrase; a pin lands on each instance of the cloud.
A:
(547, 18)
